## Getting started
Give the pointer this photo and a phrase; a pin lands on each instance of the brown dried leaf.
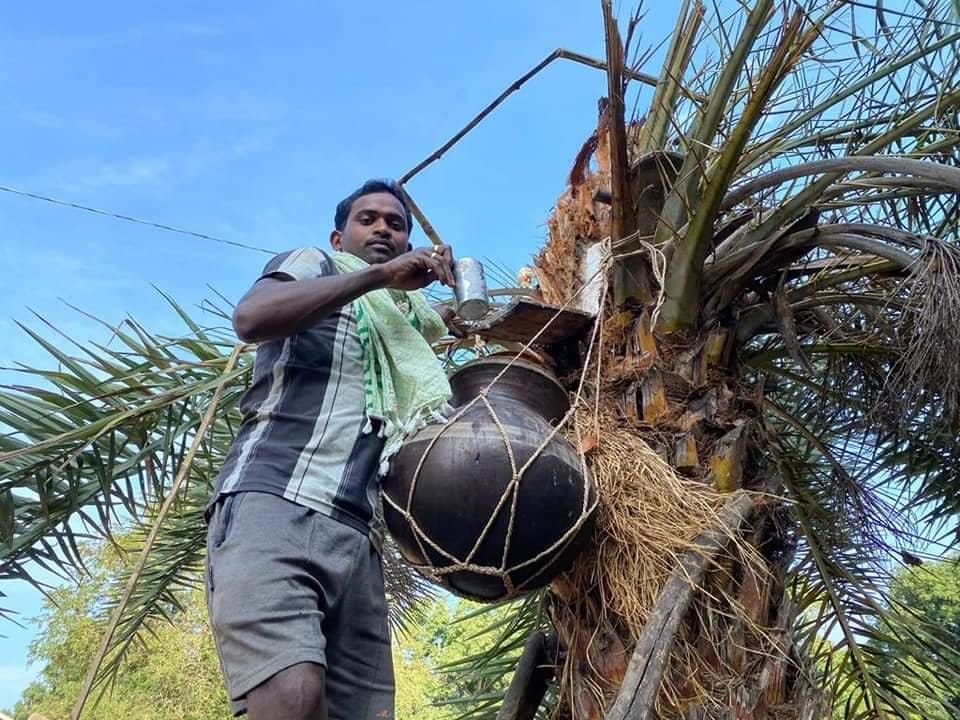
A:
(589, 443)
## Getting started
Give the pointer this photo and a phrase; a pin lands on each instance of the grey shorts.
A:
(288, 585)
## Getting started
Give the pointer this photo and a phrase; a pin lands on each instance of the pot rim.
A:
(514, 362)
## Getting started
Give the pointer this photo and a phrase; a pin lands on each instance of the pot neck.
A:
(522, 382)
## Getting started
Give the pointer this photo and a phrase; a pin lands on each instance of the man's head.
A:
(373, 222)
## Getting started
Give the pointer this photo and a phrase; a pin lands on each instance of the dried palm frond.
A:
(647, 521)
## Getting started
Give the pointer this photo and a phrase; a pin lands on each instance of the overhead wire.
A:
(130, 218)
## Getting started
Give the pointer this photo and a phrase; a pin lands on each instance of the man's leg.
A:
(297, 693)
(267, 604)
(359, 680)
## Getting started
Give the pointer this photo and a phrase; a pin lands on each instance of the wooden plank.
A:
(523, 319)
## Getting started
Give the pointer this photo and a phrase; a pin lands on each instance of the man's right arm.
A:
(278, 305)
(276, 308)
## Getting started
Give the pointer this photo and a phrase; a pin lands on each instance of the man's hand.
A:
(450, 319)
(418, 268)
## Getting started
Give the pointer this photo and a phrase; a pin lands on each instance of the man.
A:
(294, 577)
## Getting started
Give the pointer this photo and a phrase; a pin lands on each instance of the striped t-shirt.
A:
(303, 417)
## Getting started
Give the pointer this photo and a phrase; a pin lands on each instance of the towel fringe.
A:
(395, 433)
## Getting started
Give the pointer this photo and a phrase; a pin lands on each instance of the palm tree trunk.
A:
(682, 394)
(729, 609)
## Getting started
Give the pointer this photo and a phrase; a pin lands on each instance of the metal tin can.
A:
(471, 289)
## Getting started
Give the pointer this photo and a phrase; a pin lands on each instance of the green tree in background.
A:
(151, 683)
(433, 664)
(929, 597)
(932, 593)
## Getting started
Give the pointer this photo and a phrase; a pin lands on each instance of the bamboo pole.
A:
(182, 473)
(425, 224)
(558, 54)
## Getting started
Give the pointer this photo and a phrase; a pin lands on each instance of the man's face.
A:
(376, 229)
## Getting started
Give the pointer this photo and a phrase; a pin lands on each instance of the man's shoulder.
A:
(301, 263)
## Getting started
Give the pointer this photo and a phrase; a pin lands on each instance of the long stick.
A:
(558, 54)
(152, 536)
(422, 219)
(638, 691)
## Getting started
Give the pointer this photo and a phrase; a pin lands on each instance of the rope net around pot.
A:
(503, 570)
(510, 495)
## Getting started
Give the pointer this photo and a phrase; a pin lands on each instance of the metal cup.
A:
(471, 289)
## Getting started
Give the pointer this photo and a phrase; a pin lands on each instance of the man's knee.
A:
(296, 693)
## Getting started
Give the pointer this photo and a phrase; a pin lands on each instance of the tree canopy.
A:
(930, 593)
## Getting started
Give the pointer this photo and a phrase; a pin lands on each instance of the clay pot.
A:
(464, 509)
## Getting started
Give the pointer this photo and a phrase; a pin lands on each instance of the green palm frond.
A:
(789, 91)
(852, 484)
(407, 591)
(97, 440)
(93, 447)
(479, 680)
(816, 216)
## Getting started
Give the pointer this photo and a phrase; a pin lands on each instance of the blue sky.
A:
(249, 121)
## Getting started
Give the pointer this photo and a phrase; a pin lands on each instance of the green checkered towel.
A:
(404, 384)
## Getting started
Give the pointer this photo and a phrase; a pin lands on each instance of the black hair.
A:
(368, 188)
